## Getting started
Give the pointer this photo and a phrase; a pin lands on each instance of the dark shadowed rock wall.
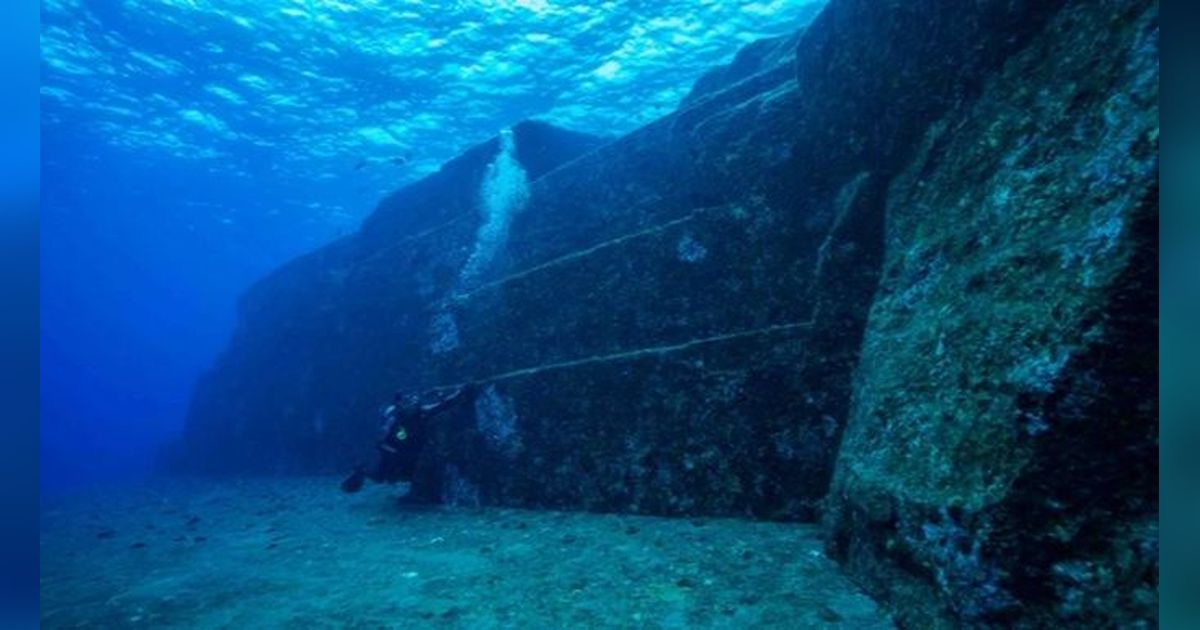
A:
(1000, 462)
(896, 270)
(755, 58)
(324, 341)
(675, 322)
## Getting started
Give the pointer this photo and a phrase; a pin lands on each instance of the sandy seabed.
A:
(296, 553)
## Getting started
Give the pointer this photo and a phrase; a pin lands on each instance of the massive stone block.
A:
(748, 224)
(683, 273)
(909, 249)
(325, 340)
(679, 314)
(1000, 462)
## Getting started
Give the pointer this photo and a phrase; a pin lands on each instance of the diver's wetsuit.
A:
(404, 438)
(401, 444)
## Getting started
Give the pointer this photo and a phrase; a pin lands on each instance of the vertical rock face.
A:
(758, 57)
(1000, 462)
(676, 322)
(670, 326)
(324, 341)
(897, 270)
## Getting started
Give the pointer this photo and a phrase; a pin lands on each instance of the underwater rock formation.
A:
(896, 272)
(323, 342)
(756, 57)
(1000, 461)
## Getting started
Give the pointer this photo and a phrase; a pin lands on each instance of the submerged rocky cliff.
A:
(897, 272)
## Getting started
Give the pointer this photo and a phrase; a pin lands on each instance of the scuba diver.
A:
(406, 430)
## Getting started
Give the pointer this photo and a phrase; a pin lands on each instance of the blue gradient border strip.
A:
(19, 170)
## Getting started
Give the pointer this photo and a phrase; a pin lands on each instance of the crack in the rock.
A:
(628, 354)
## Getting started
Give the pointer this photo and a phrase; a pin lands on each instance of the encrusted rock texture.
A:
(896, 272)
(999, 465)
(322, 343)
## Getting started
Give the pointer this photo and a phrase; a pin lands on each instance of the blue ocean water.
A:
(189, 147)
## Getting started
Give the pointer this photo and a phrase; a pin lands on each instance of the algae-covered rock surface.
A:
(292, 553)
(896, 273)
(670, 319)
(1000, 461)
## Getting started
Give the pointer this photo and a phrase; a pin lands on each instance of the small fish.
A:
(399, 160)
